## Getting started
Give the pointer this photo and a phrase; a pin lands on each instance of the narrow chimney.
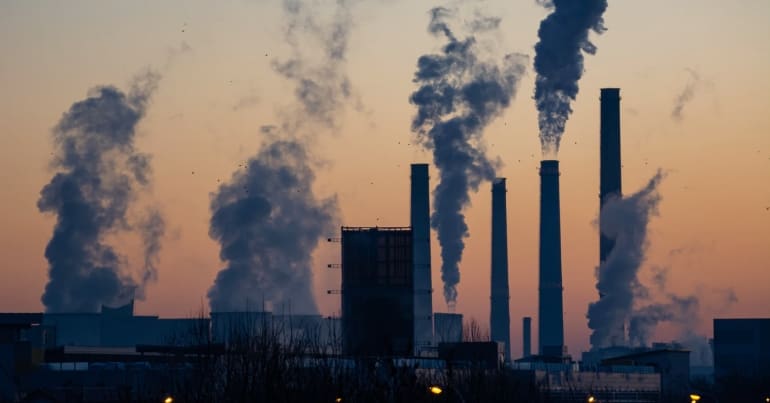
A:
(420, 223)
(550, 310)
(609, 159)
(500, 320)
(526, 337)
(609, 170)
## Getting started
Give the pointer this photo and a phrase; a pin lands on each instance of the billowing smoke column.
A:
(268, 222)
(267, 219)
(499, 314)
(99, 177)
(459, 95)
(624, 221)
(559, 62)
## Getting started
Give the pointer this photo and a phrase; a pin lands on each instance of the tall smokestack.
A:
(420, 223)
(609, 174)
(609, 171)
(550, 313)
(500, 319)
(526, 326)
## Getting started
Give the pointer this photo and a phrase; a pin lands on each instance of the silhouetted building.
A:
(18, 353)
(480, 354)
(499, 314)
(423, 288)
(119, 327)
(448, 327)
(377, 291)
(550, 309)
(742, 348)
(672, 365)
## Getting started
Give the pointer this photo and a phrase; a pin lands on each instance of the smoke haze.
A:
(623, 220)
(267, 219)
(559, 62)
(459, 94)
(687, 95)
(99, 175)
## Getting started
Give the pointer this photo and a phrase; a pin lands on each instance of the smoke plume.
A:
(559, 62)
(623, 220)
(267, 219)
(268, 222)
(687, 95)
(99, 175)
(459, 94)
(644, 320)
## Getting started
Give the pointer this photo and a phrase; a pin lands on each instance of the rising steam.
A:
(623, 220)
(687, 95)
(559, 62)
(459, 94)
(99, 175)
(267, 219)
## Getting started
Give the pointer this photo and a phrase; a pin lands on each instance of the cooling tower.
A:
(499, 316)
(609, 159)
(526, 337)
(420, 223)
(550, 311)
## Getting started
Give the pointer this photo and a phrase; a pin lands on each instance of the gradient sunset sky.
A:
(218, 89)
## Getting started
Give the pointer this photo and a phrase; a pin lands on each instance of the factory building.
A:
(448, 327)
(377, 291)
(742, 348)
(673, 366)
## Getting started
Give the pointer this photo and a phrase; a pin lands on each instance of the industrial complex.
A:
(387, 326)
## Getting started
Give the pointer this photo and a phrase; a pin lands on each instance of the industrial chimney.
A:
(499, 316)
(550, 310)
(420, 223)
(609, 159)
(609, 170)
(526, 337)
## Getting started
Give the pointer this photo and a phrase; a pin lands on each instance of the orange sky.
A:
(714, 210)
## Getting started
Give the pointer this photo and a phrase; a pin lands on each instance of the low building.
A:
(672, 365)
(742, 348)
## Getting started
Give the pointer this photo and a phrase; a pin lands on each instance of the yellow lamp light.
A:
(435, 390)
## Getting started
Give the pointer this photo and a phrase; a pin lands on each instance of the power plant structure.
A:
(448, 327)
(550, 302)
(423, 292)
(499, 313)
(377, 291)
(526, 336)
(387, 314)
(610, 177)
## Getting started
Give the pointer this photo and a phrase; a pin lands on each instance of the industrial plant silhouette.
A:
(388, 343)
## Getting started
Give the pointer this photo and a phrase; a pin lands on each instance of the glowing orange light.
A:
(435, 390)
